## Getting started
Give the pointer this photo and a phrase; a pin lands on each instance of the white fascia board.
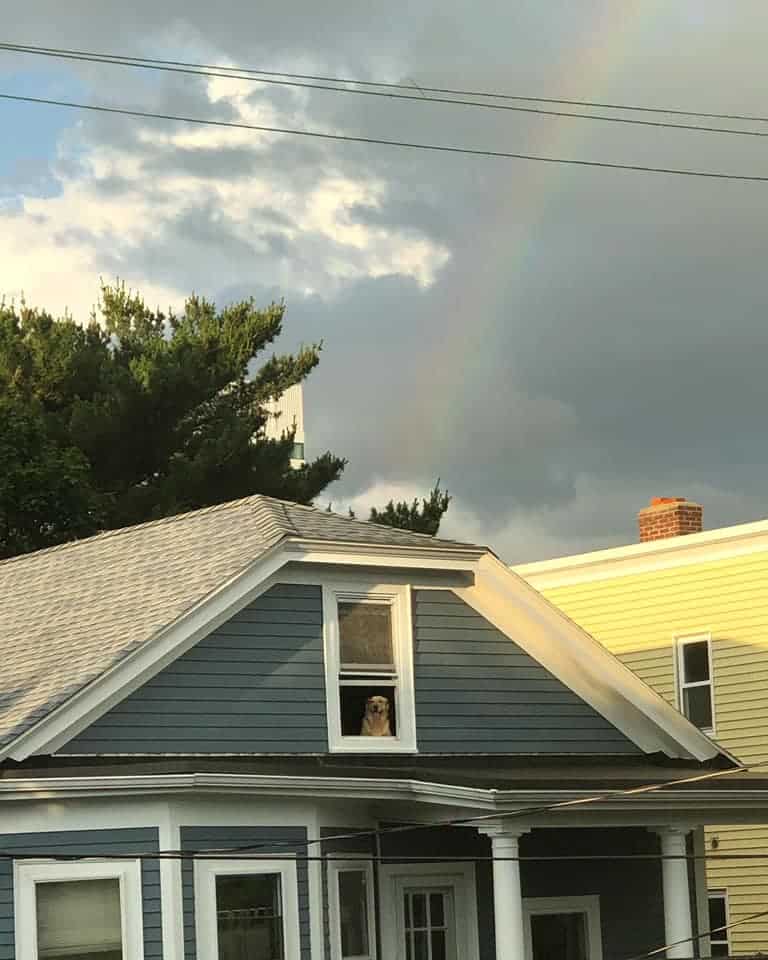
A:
(352, 788)
(637, 558)
(65, 722)
(583, 664)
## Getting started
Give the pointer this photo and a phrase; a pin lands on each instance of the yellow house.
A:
(687, 610)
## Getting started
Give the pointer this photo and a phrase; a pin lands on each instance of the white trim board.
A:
(582, 664)
(635, 558)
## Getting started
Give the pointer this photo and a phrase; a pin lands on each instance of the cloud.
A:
(556, 344)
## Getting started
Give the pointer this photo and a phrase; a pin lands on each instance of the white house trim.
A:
(171, 888)
(589, 906)
(710, 545)
(583, 664)
(399, 598)
(27, 874)
(458, 877)
(206, 872)
(335, 867)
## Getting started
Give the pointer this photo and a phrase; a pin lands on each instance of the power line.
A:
(216, 72)
(670, 111)
(698, 937)
(378, 141)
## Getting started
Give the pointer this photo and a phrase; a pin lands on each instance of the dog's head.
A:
(377, 706)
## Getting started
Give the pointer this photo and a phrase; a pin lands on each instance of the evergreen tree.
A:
(140, 415)
(421, 518)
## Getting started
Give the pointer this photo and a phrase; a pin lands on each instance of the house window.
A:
(694, 672)
(351, 910)
(718, 918)
(369, 671)
(563, 927)
(247, 909)
(89, 909)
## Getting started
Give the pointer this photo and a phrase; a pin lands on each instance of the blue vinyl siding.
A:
(128, 842)
(290, 839)
(477, 691)
(254, 685)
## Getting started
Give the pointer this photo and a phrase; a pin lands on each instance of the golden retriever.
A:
(376, 718)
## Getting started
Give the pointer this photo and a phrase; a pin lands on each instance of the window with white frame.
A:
(565, 927)
(369, 669)
(351, 910)
(694, 675)
(718, 918)
(88, 910)
(247, 909)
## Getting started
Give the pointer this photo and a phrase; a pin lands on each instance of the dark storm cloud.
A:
(597, 337)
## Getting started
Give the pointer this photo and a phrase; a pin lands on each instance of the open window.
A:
(369, 669)
(88, 909)
(694, 676)
(351, 910)
(247, 908)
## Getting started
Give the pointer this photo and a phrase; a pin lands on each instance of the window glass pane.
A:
(717, 914)
(353, 910)
(719, 949)
(249, 917)
(420, 945)
(365, 635)
(367, 711)
(436, 911)
(697, 705)
(559, 936)
(419, 908)
(438, 945)
(695, 661)
(79, 918)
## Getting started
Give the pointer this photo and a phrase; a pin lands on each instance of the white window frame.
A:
(351, 865)
(681, 642)
(459, 877)
(398, 597)
(206, 927)
(588, 906)
(724, 936)
(28, 873)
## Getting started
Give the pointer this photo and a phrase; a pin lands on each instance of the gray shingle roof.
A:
(69, 613)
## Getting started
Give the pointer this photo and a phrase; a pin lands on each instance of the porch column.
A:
(677, 899)
(507, 893)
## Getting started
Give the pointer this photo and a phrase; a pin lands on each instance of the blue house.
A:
(261, 731)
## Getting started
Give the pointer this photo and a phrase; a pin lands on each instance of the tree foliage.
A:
(139, 415)
(421, 518)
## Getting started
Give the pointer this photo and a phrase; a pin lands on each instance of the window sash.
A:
(721, 938)
(206, 912)
(683, 685)
(398, 676)
(29, 874)
(335, 869)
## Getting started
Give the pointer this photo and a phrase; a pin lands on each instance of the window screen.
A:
(79, 920)
(353, 913)
(249, 917)
(365, 636)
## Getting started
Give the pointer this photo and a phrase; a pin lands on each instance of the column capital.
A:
(503, 829)
(672, 831)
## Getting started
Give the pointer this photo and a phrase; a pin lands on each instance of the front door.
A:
(428, 911)
(428, 923)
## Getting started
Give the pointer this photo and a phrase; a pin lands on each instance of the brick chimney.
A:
(669, 517)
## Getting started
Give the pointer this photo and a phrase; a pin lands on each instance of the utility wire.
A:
(670, 111)
(698, 937)
(411, 145)
(417, 98)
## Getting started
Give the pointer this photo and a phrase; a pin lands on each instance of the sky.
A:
(557, 344)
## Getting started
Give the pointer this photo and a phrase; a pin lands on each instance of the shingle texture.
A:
(70, 613)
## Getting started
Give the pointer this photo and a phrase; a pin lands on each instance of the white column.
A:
(507, 892)
(677, 899)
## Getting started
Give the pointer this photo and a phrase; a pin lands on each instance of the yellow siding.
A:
(637, 617)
